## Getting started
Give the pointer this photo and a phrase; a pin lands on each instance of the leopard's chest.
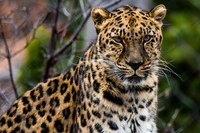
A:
(109, 118)
(110, 106)
(121, 123)
(138, 121)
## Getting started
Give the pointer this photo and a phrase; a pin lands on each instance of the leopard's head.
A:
(129, 41)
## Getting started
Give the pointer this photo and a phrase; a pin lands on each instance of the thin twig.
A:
(112, 3)
(8, 56)
(72, 20)
(76, 33)
(32, 37)
(169, 128)
(26, 45)
(2, 95)
(50, 59)
(73, 37)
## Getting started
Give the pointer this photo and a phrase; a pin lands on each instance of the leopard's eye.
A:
(147, 38)
(117, 39)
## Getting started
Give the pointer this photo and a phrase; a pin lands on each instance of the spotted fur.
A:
(113, 87)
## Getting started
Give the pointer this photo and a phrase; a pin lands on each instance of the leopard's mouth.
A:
(135, 78)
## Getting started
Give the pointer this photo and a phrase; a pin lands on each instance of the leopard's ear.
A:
(99, 16)
(158, 13)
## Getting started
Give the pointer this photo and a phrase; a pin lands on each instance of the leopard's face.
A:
(129, 42)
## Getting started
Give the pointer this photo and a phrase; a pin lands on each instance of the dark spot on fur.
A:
(74, 128)
(68, 75)
(59, 126)
(142, 117)
(143, 100)
(112, 125)
(9, 123)
(27, 109)
(83, 121)
(118, 18)
(73, 93)
(66, 112)
(149, 103)
(18, 119)
(135, 110)
(16, 129)
(141, 106)
(91, 129)
(64, 76)
(130, 100)
(129, 109)
(52, 112)
(88, 114)
(40, 89)
(33, 97)
(134, 126)
(88, 94)
(30, 121)
(137, 123)
(49, 118)
(120, 25)
(12, 111)
(54, 102)
(53, 87)
(63, 88)
(25, 100)
(120, 117)
(125, 118)
(144, 18)
(107, 114)
(112, 98)
(74, 114)
(96, 113)
(136, 100)
(76, 79)
(99, 128)
(41, 113)
(96, 86)
(97, 101)
(45, 128)
(67, 98)
(2, 121)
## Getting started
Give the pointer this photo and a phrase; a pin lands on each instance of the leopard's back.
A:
(45, 108)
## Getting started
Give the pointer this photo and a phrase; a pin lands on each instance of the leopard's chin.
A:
(133, 80)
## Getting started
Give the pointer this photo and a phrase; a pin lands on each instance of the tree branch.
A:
(73, 37)
(50, 58)
(76, 33)
(26, 45)
(32, 37)
(8, 56)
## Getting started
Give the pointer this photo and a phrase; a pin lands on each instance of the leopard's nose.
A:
(135, 65)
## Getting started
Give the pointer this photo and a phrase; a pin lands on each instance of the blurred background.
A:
(42, 38)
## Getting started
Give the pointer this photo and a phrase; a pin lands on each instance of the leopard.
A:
(112, 88)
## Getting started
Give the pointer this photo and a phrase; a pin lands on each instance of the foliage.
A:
(181, 48)
(61, 42)
(31, 70)
(59, 26)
